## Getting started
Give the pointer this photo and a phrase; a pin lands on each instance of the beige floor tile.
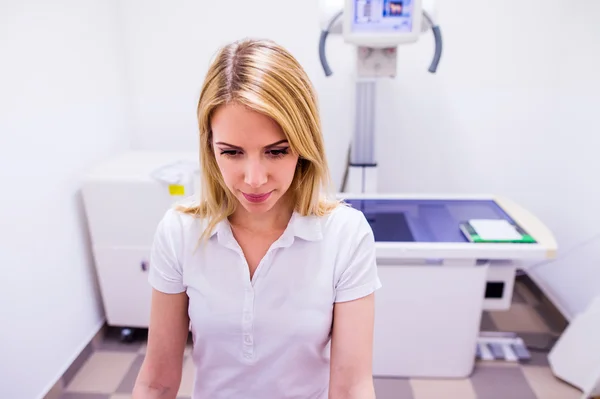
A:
(547, 386)
(519, 318)
(435, 389)
(102, 372)
(393, 388)
(526, 294)
(55, 391)
(496, 363)
(501, 383)
(187, 378)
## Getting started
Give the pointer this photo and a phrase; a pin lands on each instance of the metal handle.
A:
(437, 35)
(323, 40)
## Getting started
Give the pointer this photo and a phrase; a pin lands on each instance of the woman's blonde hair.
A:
(266, 78)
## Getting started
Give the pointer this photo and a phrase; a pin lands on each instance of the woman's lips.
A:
(257, 198)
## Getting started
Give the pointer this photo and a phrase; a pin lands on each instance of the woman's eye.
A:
(229, 152)
(278, 153)
(271, 153)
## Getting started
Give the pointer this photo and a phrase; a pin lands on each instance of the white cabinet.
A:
(427, 320)
(124, 201)
(123, 277)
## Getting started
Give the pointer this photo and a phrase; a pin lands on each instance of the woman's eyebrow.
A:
(277, 143)
(228, 145)
(222, 143)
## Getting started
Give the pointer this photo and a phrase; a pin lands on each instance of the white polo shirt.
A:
(267, 337)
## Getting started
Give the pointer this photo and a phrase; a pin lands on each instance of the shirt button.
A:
(248, 339)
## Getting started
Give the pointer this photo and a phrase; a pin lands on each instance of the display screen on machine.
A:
(383, 16)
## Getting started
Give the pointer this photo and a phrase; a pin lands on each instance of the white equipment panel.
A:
(124, 200)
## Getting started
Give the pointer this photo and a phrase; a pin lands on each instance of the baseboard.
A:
(552, 315)
(56, 391)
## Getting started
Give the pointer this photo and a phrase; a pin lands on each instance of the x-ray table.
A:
(436, 283)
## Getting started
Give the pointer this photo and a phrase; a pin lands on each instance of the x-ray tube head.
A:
(379, 24)
(382, 23)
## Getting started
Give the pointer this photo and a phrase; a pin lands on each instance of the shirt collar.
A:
(307, 228)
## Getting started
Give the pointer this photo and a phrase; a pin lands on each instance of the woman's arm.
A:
(160, 374)
(352, 350)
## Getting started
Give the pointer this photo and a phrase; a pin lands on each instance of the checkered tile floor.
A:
(110, 372)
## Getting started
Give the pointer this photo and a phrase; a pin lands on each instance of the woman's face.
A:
(253, 155)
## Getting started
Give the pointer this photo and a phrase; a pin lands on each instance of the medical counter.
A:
(436, 282)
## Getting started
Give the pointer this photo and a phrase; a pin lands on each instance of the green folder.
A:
(471, 234)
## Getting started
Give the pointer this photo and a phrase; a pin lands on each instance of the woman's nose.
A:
(255, 174)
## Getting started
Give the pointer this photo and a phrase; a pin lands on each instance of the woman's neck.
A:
(275, 220)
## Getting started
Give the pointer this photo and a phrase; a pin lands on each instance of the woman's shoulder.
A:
(344, 218)
(180, 220)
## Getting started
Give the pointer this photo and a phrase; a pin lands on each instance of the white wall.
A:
(519, 81)
(62, 110)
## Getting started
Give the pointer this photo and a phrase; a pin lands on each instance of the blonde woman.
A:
(275, 280)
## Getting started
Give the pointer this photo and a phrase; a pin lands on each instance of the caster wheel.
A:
(126, 335)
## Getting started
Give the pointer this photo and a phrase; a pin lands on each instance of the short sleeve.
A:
(359, 277)
(166, 272)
